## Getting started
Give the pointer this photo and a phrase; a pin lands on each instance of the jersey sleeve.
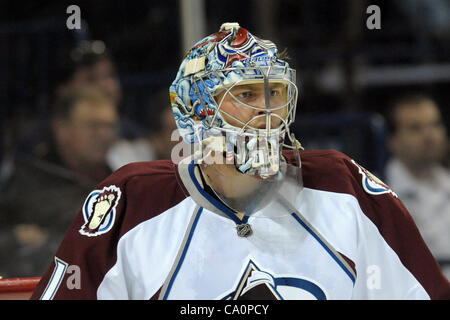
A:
(393, 260)
(89, 248)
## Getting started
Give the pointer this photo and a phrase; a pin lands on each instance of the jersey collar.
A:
(190, 176)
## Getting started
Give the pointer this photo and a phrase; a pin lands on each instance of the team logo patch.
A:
(99, 211)
(259, 284)
(371, 184)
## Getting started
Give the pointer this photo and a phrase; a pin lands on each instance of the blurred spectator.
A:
(157, 144)
(428, 16)
(418, 142)
(36, 206)
(88, 64)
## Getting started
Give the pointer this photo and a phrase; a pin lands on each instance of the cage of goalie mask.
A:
(217, 64)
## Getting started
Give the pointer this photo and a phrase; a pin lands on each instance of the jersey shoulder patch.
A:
(372, 184)
(133, 190)
(99, 211)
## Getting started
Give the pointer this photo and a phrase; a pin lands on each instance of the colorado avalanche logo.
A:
(371, 184)
(99, 211)
(257, 284)
(240, 45)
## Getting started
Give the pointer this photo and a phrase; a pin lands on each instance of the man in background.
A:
(157, 144)
(36, 205)
(418, 143)
(87, 64)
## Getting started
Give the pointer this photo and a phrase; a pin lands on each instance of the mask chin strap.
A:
(296, 145)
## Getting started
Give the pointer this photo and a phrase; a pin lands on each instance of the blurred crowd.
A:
(60, 159)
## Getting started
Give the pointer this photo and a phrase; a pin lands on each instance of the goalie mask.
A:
(234, 99)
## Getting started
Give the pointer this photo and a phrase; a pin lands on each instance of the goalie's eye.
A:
(276, 92)
(245, 95)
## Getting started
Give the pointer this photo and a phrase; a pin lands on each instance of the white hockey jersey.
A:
(150, 231)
